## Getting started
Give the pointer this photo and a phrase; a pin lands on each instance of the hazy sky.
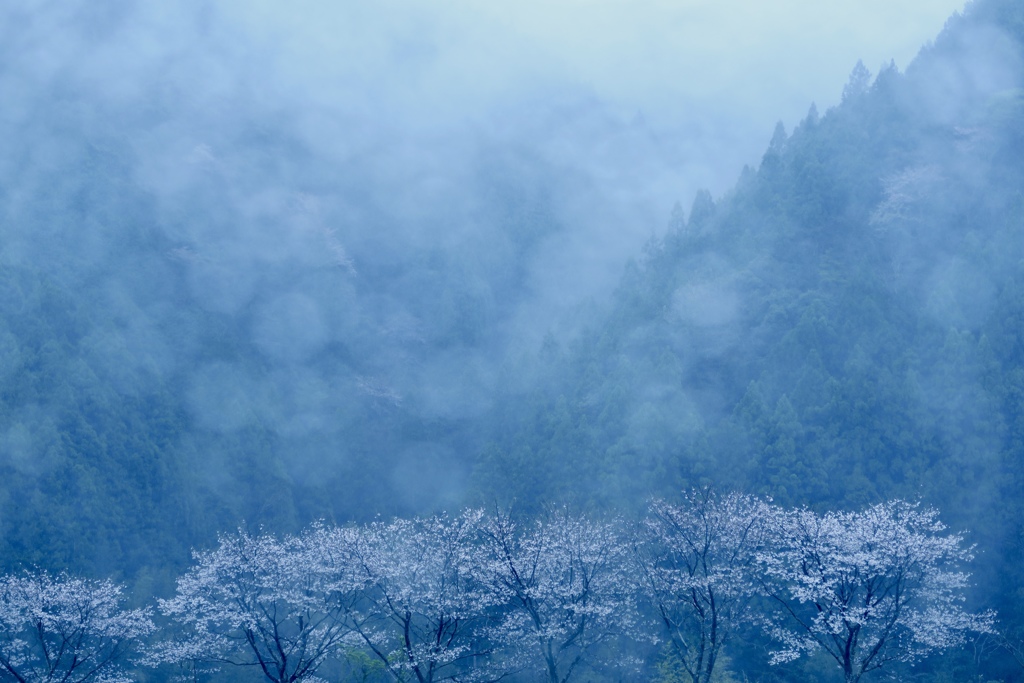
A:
(681, 63)
(658, 52)
(631, 105)
(618, 108)
(650, 100)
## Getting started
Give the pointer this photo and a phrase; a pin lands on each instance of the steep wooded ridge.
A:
(846, 325)
(198, 334)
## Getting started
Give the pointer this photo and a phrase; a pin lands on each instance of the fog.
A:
(649, 101)
(343, 225)
(634, 105)
(263, 264)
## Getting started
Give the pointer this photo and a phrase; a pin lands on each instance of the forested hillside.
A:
(845, 326)
(217, 312)
(210, 322)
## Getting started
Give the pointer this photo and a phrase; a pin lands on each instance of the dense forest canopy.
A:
(197, 336)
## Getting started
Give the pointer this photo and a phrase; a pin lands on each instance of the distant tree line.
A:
(482, 597)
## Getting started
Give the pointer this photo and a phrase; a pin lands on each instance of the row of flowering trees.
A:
(481, 597)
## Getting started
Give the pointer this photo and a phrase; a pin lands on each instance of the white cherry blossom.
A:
(66, 629)
(423, 608)
(869, 588)
(695, 560)
(259, 601)
(567, 587)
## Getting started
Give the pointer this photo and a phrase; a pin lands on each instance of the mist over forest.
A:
(260, 279)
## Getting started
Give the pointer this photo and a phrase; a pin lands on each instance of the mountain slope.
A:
(845, 326)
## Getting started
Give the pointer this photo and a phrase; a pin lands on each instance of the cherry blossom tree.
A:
(423, 608)
(694, 564)
(869, 588)
(66, 629)
(258, 601)
(567, 588)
